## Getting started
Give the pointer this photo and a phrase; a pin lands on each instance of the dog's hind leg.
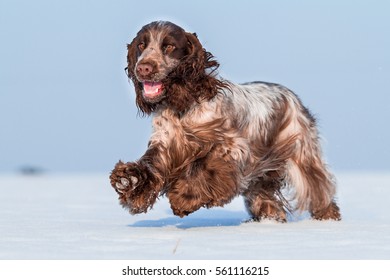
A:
(314, 185)
(264, 201)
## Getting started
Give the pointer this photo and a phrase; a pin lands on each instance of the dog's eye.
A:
(141, 46)
(168, 48)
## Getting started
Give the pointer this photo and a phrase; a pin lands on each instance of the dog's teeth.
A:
(134, 180)
(124, 182)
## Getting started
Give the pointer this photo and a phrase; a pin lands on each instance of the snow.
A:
(78, 217)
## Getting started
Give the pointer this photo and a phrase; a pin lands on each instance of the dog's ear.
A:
(132, 56)
(193, 43)
(193, 79)
(196, 53)
(131, 59)
(201, 59)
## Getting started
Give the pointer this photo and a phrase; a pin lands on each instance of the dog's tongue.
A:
(152, 89)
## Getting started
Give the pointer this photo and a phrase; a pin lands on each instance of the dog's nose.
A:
(145, 69)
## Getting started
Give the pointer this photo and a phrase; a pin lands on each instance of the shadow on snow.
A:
(201, 218)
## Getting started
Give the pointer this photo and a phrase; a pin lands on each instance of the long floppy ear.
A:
(196, 53)
(132, 56)
(194, 78)
(131, 59)
(193, 43)
(203, 59)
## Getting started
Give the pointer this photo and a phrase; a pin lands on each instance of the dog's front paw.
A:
(123, 178)
(135, 186)
(125, 184)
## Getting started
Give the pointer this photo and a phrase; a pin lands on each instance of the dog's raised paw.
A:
(122, 186)
(134, 181)
(123, 178)
(126, 184)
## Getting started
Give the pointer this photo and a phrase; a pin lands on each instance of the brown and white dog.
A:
(214, 140)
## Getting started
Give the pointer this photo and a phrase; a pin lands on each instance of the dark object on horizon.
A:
(31, 170)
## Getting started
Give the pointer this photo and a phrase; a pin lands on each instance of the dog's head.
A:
(162, 59)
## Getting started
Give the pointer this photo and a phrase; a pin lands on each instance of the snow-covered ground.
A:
(78, 217)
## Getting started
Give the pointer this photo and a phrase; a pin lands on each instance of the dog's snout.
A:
(145, 69)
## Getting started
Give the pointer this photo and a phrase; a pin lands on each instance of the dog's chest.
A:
(168, 126)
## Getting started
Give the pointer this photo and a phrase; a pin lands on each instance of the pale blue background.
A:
(66, 104)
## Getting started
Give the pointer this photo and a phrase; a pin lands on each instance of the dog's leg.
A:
(207, 182)
(138, 183)
(332, 212)
(320, 192)
(322, 205)
(315, 186)
(263, 202)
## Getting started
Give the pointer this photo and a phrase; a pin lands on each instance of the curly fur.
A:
(213, 140)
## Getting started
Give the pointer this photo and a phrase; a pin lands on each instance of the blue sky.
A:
(66, 104)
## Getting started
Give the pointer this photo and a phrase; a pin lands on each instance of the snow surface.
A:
(78, 217)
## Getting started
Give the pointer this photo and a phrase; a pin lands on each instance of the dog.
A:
(214, 140)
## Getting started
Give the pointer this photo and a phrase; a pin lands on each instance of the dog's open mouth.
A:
(153, 90)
